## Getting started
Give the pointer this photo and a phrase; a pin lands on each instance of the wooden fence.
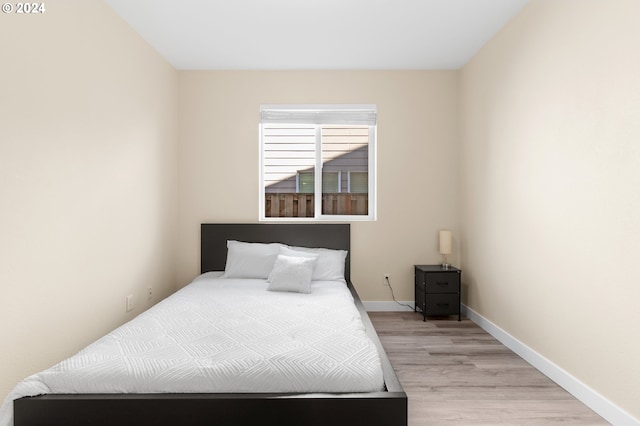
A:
(302, 205)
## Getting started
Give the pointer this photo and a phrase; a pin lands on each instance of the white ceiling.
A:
(317, 34)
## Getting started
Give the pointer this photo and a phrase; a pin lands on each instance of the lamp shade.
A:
(445, 242)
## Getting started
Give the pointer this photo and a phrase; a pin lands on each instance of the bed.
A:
(387, 406)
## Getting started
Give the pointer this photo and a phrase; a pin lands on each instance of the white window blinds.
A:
(364, 115)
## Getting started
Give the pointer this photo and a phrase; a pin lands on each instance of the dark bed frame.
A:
(386, 408)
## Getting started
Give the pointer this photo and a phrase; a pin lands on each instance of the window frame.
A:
(372, 163)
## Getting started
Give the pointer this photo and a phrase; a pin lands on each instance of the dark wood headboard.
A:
(214, 236)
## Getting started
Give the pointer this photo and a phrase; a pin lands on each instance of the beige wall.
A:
(550, 184)
(88, 180)
(417, 133)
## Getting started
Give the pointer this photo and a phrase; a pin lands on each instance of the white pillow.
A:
(291, 273)
(250, 260)
(297, 253)
(330, 263)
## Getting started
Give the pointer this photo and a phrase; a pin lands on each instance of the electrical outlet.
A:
(385, 281)
(130, 303)
(149, 293)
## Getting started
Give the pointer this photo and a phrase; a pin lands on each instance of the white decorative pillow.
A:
(250, 260)
(291, 273)
(330, 263)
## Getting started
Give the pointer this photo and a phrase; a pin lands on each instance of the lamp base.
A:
(445, 265)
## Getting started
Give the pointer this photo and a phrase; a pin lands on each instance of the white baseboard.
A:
(386, 306)
(592, 399)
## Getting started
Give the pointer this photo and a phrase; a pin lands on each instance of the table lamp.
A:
(445, 247)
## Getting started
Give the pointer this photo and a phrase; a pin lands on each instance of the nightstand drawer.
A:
(442, 282)
(442, 304)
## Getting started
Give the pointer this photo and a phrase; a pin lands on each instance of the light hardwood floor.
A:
(455, 373)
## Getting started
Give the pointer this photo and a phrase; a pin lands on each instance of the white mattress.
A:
(225, 336)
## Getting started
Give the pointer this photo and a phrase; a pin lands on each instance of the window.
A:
(317, 162)
(358, 182)
(305, 182)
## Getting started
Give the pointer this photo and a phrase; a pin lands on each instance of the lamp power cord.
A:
(393, 296)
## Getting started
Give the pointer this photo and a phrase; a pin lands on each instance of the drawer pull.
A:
(442, 305)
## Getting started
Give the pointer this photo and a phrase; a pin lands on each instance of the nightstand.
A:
(437, 290)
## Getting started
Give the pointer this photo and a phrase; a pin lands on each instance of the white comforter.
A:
(224, 335)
